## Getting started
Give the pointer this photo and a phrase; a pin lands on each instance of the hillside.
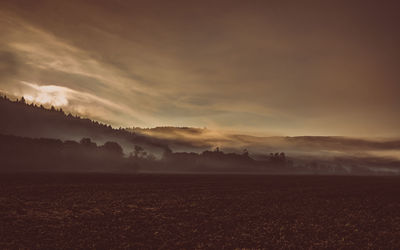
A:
(22, 119)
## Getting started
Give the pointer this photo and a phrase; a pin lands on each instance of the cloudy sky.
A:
(260, 67)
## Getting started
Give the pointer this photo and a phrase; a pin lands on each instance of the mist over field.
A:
(185, 149)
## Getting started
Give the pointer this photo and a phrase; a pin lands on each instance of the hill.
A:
(28, 120)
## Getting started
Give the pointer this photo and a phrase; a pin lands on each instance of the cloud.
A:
(51, 94)
(48, 94)
(73, 101)
(84, 85)
(259, 67)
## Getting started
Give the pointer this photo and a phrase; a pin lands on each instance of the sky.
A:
(258, 67)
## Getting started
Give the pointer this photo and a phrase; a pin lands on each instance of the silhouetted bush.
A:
(113, 148)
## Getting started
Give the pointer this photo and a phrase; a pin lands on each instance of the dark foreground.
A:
(198, 211)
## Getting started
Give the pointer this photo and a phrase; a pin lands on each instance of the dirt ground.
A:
(58, 211)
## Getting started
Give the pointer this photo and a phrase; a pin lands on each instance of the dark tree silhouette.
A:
(113, 148)
(87, 142)
(138, 150)
(22, 100)
(27, 154)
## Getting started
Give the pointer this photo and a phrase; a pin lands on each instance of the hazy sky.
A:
(270, 67)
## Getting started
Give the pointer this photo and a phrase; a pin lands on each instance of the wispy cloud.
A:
(60, 96)
(78, 102)
(84, 85)
(241, 66)
(48, 94)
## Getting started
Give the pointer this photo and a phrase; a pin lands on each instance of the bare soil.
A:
(59, 211)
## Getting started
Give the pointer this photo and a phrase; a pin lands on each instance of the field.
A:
(56, 211)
